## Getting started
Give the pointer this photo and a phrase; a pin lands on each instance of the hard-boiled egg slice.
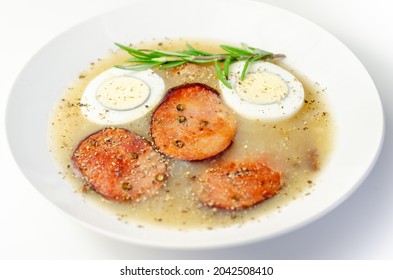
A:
(267, 93)
(118, 96)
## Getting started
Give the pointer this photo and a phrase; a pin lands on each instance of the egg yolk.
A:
(262, 88)
(122, 93)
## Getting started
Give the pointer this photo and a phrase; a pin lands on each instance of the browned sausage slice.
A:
(192, 123)
(238, 185)
(120, 165)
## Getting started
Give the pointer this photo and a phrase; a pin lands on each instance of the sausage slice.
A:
(236, 185)
(120, 165)
(192, 123)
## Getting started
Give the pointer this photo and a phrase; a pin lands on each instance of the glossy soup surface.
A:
(298, 147)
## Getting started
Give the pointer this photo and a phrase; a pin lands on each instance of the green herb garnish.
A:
(143, 59)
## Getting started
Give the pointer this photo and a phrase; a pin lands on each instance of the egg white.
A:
(281, 106)
(96, 111)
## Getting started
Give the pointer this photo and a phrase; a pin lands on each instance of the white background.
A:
(360, 228)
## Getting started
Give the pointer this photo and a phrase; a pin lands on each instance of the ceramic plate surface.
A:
(310, 50)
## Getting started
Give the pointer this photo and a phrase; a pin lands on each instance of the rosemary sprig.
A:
(143, 59)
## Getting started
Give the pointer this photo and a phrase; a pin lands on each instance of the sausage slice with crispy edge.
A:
(192, 123)
(120, 165)
(236, 185)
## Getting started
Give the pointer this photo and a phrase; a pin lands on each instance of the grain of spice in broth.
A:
(300, 146)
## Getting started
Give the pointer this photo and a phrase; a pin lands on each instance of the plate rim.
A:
(224, 244)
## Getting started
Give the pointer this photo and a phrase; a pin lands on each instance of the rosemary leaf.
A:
(133, 52)
(159, 53)
(227, 63)
(247, 64)
(220, 75)
(235, 51)
(138, 67)
(197, 52)
(248, 48)
(263, 53)
(171, 64)
(143, 59)
(245, 68)
(139, 60)
(164, 59)
(199, 61)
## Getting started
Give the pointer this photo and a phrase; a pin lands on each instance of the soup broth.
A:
(298, 147)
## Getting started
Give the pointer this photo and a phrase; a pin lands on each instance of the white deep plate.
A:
(312, 51)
